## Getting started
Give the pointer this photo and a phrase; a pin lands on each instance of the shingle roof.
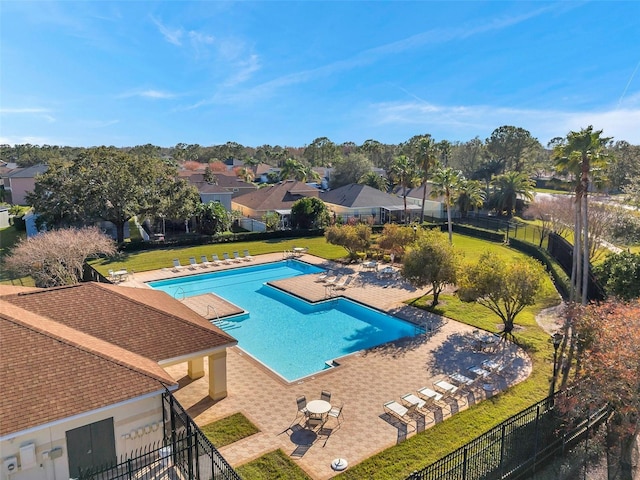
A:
(50, 371)
(29, 172)
(360, 196)
(280, 196)
(70, 350)
(145, 321)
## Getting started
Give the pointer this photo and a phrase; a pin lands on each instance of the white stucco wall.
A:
(130, 416)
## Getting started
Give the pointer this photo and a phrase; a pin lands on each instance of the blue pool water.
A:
(290, 336)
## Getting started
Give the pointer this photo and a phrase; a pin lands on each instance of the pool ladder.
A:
(211, 307)
(179, 290)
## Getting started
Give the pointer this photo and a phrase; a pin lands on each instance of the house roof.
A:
(280, 196)
(145, 321)
(360, 196)
(224, 180)
(51, 372)
(416, 192)
(70, 350)
(28, 172)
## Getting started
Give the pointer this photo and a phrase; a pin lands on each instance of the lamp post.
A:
(557, 340)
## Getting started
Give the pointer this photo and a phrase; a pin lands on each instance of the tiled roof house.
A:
(82, 372)
(274, 198)
(363, 201)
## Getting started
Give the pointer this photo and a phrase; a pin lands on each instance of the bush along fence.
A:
(514, 449)
(184, 452)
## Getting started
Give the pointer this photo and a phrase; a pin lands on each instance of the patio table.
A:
(480, 372)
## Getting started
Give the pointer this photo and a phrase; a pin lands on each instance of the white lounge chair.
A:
(333, 279)
(204, 263)
(324, 275)
(429, 395)
(398, 411)
(410, 399)
(215, 260)
(226, 259)
(247, 257)
(344, 282)
(176, 265)
(193, 263)
(236, 257)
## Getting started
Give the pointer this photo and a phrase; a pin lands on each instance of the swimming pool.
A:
(292, 337)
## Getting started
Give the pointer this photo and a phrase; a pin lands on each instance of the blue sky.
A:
(284, 73)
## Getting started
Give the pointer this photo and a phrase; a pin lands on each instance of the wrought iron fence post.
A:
(537, 433)
(502, 435)
(464, 462)
(129, 469)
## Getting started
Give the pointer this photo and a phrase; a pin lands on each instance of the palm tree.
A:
(292, 168)
(374, 180)
(426, 156)
(578, 153)
(446, 183)
(470, 195)
(511, 185)
(404, 172)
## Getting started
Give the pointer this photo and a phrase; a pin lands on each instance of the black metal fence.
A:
(516, 448)
(560, 249)
(185, 452)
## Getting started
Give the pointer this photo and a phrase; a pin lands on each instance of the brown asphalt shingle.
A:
(50, 371)
(147, 322)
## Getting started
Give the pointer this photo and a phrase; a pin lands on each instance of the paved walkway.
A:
(362, 382)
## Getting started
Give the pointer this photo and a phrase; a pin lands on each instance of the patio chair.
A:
(215, 260)
(204, 263)
(176, 265)
(226, 259)
(112, 277)
(193, 263)
(247, 257)
(343, 283)
(398, 411)
(336, 412)
(326, 396)
(324, 275)
(236, 257)
(302, 406)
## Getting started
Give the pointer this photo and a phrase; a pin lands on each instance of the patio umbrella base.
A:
(339, 464)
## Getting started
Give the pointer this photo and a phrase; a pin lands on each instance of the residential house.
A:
(225, 186)
(433, 207)
(83, 377)
(277, 198)
(21, 181)
(367, 203)
(262, 171)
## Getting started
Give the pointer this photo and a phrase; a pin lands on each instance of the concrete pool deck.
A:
(363, 382)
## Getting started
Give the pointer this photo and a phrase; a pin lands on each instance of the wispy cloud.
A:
(466, 121)
(99, 123)
(372, 56)
(37, 112)
(149, 93)
(171, 35)
(24, 110)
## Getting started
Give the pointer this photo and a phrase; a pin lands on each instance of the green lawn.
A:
(163, 257)
(276, 465)
(229, 429)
